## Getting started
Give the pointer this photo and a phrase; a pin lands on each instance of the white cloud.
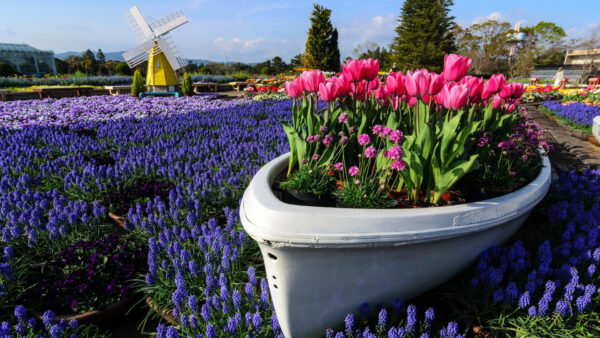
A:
(238, 45)
(379, 29)
(492, 16)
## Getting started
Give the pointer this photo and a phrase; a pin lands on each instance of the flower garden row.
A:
(577, 115)
(20, 82)
(67, 163)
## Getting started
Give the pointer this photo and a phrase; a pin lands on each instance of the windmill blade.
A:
(137, 22)
(166, 49)
(168, 23)
(139, 54)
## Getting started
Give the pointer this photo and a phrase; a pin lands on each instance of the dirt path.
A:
(570, 153)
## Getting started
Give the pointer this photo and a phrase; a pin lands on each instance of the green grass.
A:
(30, 88)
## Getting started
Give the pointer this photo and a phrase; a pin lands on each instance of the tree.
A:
(371, 50)
(322, 51)
(278, 65)
(61, 66)
(591, 64)
(122, 69)
(100, 56)
(298, 60)
(137, 86)
(191, 67)
(88, 62)
(424, 35)
(88, 55)
(548, 43)
(487, 44)
(523, 62)
(186, 85)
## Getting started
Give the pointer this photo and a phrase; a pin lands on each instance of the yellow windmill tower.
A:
(156, 46)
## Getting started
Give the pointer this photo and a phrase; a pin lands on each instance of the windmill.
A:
(156, 46)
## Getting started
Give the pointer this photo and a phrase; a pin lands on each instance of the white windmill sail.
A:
(138, 24)
(168, 23)
(154, 35)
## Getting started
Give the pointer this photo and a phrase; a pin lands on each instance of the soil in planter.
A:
(299, 198)
(464, 191)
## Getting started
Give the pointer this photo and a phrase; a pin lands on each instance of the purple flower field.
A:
(73, 110)
(575, 114)
(61, 159)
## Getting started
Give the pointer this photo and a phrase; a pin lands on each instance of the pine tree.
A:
(137, 86)
(100, 56)
(186, 85)
(322, 51)
(425, 35)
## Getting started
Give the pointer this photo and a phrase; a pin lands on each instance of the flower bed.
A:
(6, 82)
(76, 110)
(541, 93)
(575, 115)
(202, 264)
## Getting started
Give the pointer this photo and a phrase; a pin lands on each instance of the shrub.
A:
(122, 69)
(186, 85)
(138, 84)
(265, 71)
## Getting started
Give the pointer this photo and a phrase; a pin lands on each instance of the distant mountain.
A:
(118, 56)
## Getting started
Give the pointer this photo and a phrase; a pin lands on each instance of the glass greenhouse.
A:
(28, 60)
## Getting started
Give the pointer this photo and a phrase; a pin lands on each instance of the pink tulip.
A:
(417, 82)
(397, 82)
(519, 90)
(370, 69)
(328, 90)
(390, 83)
(456, 67)
(382, 94)
(495, 83)
(436, 84)
(507, 91)
(353, 70)
(395, 102)
(456, 97)
(475, 85)
(497, 101)
(412, 101)
(294, 89)
(343, 86)
(374, 84)
(358, 90)
(312, 79)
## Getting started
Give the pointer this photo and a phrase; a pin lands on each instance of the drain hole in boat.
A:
(274, 277)
(275, 286)
(273, 257)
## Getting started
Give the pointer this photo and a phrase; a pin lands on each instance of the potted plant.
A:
(416, 136)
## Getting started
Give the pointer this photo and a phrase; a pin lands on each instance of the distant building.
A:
(582, 56)
(28, 60)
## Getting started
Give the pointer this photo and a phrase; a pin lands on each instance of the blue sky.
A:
(251, 31)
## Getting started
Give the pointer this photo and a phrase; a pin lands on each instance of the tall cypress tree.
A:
(425, 35)
(322, 51)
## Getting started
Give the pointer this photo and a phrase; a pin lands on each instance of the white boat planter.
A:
(596, 128)
(322, 263)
